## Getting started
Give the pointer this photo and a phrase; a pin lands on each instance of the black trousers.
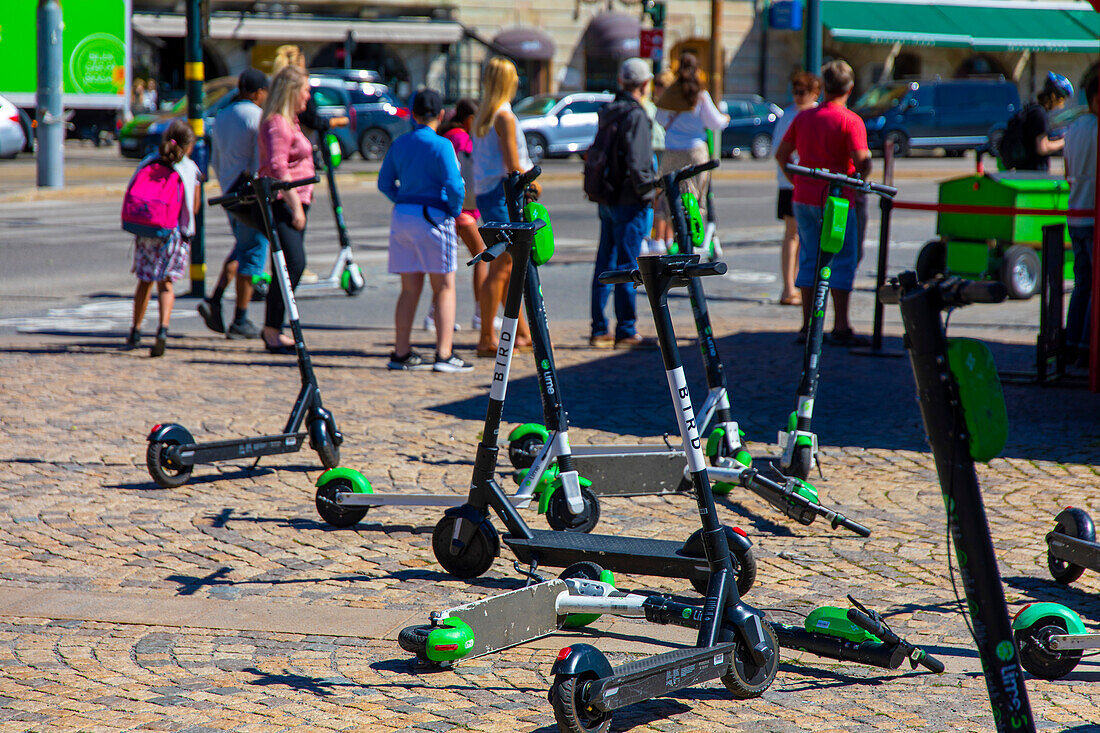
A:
(293, 244)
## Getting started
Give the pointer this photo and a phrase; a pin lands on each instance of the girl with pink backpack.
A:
(159, 209)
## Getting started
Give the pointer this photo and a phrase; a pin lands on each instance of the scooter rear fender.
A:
(170, 433)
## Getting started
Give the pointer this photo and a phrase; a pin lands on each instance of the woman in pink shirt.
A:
(287, 155)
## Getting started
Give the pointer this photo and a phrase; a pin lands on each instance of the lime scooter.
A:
(540, 452)
(798, 443)
(965, 421)
(1053, 638)
(345, 275)
(173, 453)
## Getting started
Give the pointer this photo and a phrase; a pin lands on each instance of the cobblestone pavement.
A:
(227, 604)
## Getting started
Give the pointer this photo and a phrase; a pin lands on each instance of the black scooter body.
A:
(1071, 546)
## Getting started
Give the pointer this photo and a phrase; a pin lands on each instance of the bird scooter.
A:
(610, 470)
(173, 452)
(798, 443)
(345, 275)
(965, 421)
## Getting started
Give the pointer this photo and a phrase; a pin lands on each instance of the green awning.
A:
(984, 26)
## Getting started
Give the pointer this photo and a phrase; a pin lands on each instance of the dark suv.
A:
(954, 114)
(376, 117)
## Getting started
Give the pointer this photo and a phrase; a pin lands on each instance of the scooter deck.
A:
(659, 675)
(227, 450)
(511, 618)
(1074, 550)
(616, 470)
(641, 555)
(349, 500)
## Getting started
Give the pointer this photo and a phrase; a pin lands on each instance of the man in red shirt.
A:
(830, 136)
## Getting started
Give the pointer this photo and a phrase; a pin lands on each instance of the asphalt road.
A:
(66, 263)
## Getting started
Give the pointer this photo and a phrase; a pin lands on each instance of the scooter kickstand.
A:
(530, 574)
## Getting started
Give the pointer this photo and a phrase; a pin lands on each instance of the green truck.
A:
(1001, 247)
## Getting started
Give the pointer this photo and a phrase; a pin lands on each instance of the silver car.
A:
(559, 124)
(12, 136)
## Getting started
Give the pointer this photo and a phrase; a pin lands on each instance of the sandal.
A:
(848, 338)
(486, 353)
(795, 299)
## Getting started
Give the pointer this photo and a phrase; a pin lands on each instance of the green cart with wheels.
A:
(1001, 247)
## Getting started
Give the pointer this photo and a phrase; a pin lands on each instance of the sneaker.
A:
(602, 341)
(160, 344)
(636, 342)
(411, 362)
(308, 277)
(451, 365)
(246, 329)
(211, 313)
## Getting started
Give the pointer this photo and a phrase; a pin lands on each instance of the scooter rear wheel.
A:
(744, 566)
(414, 639)
(167, 474)
(561, 518)
(569, 709)
(745, 679)
(472, 560)
(1072, 522)
(1038, 658)
(332, 512)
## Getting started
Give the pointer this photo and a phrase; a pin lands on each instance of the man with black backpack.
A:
(1027, 144)
(618, 173)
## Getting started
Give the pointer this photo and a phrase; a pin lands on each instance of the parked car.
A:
(752, 122)
(954, 114)
(559, 124)
(141, 135)
(375, 115)
(359, 75)
(12, 137)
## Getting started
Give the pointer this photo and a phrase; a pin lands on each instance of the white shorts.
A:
(422, 239)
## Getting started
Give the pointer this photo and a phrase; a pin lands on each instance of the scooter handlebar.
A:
(839, 178)
(970, 291)
(489, 253)
(693, 170)
(704, 269)
(224, 199)
(614, 277)
(227, 199)
(523, 180)
(284, 185)
(931, 663)
(842, 521)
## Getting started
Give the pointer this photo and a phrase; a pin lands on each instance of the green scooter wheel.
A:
(333, 513)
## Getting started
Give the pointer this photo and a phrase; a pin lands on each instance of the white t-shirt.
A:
(685, 130)
(1080, 155)
(780, 130)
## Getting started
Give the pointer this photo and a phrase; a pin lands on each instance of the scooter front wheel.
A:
(570, 710)
(166, 473)
(414, 639)
(322, 442)
(471, 560)
(1072, 522)
(330, 510)
(1038, 658)
(561, 518)
(744, 565)
(746, 679)
(801, 460)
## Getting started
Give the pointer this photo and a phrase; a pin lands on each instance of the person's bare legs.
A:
(788, 259)
(467, 231)
(492, 291)
(807, 305)
(412, 283)
(840, 311)
(166, 298)
(443, 297)
(141, 302)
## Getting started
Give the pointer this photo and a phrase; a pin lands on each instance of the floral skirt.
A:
(157, 260)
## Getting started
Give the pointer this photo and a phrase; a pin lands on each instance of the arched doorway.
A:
(532, 51)
(609, 39)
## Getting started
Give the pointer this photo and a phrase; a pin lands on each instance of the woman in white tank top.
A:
(499, 149)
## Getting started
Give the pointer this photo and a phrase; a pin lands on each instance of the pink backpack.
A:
(152, 204)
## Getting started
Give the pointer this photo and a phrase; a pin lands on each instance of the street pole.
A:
(194, 75)
(50, 123)
(716, 50)
(813, 36)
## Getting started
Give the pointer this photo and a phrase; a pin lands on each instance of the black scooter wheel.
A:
(472, 560)
(522, 451)
(744, 564)
(1038, 658)
(561, 518)
(333, 513)
(800, 462)
(414, 639)
(322, 442)
(1072, 522)
(745, 679)
(167, 474)
(570, 711)
(583, 569)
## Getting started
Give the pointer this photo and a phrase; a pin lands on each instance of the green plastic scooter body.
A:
(834, 223)
(545, 489)
(1032, 613)
(450, 641)
(335, 153)
(833, 621)
(359, 483)
(530, 428)
(544, 237)
(696, 225)
(980, 394)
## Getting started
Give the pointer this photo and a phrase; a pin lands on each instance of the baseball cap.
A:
(251, 81)
(635, 71)
(427, 103)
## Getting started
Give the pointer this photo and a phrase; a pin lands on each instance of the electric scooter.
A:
(1071, 546)
(173, 452)
(610, 470)
(965, 421)
(798, 443)
(345, 274)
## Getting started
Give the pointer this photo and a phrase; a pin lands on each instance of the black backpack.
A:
(1013, 150)
(601, 162)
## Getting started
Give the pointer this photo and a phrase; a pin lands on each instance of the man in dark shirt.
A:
(1038, 145)
(623, 221)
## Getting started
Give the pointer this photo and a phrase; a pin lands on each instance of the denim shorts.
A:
(492, 204)
(249, 250)
(809, 241)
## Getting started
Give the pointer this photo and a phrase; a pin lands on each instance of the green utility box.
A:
(999, 247)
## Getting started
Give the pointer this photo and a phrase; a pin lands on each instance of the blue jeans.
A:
(621, 231)
(844, 263)
(492, 204)
(249, 250)
(1077, 315)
